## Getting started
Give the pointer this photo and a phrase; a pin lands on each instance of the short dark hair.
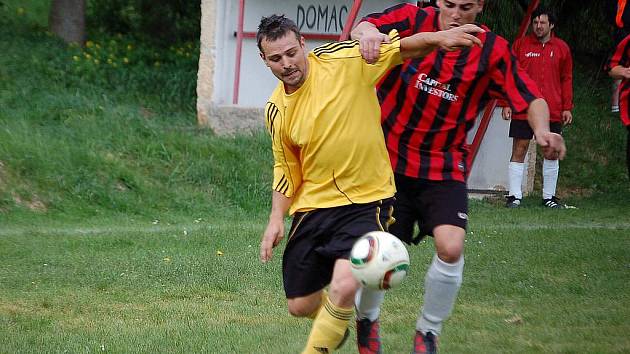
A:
(540, 10)
(274, 27)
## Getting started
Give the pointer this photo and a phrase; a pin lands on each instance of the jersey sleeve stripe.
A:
(331, 45)
(281, 183)
(274, 114)
(267, 107)
(284, 187)
(335, 48)
(522, 87)
(271, 114)
(338, 46)
(398, 26)
(420, 17)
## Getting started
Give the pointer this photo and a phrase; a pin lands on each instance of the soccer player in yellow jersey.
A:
(331, 171)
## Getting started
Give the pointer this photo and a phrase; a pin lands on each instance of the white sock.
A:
(368, 303)
(441, 285)
(550, 177)
(516, 178)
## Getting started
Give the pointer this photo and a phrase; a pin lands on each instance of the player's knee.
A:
(343, 291)
(300, 307)
(449, 242)
(450, 253)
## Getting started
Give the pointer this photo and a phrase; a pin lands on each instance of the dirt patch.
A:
(34, 204)
(37, 205)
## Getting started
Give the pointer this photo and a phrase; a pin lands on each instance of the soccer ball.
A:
(379, 260)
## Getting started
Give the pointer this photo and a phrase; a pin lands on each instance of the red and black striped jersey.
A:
(428, 104)
(621, 57)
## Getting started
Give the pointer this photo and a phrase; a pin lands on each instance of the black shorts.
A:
(429, 204)
(320, 237)
(520, 129)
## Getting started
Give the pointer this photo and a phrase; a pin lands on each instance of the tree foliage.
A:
(159, 21)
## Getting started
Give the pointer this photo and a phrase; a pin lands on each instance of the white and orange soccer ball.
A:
(379, 260)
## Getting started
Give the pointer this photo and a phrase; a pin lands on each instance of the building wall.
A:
(489, 172)
(207, 60)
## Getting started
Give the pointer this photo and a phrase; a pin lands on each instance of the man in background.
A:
(547, 60)
(621, 22)
(619, 69)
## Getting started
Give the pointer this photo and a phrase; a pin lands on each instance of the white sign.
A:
(256, 81)
(490, 169)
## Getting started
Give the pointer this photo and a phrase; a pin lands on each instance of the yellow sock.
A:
(324, 299)
(328, 329)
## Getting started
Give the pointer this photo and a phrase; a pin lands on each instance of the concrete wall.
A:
(207, 60)
(490, 170)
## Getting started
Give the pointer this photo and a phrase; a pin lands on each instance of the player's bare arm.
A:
(418, 45)
(538, 118)
(274, 233)
(421, 44)
(619, 72)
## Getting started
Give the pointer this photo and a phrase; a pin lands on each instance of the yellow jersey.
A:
(327, 141)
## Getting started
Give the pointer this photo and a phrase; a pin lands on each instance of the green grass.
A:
(80, 139)
(555, 285)
(124, 228)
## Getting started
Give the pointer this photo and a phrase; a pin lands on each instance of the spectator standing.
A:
(619, 69)
(622, 29)
(547, 60)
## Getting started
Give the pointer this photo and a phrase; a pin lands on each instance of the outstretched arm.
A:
(417, 45)
(423, 43)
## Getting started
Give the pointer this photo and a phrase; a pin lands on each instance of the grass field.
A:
(125, 228)
(558, 284)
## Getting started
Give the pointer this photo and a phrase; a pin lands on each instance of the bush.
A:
(162, 21)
